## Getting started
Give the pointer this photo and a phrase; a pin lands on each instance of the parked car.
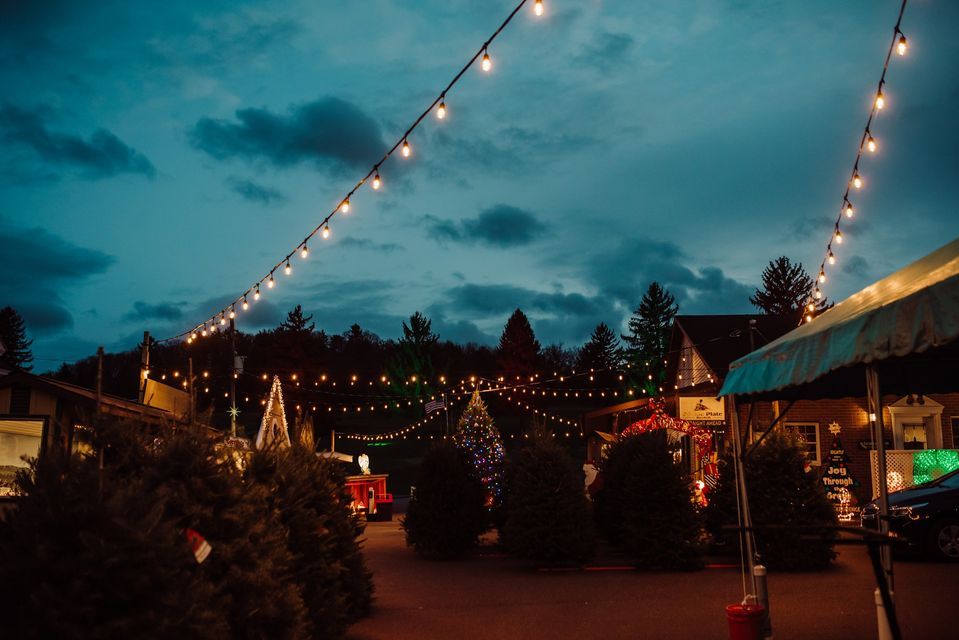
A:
(925, 516)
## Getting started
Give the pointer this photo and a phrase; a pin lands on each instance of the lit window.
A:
(807, 433)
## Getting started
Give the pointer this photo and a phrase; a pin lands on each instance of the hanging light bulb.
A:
(831, 257)
(871, 143)
(376, 181)
(271, 282)
(305, 252)
(857, 180)
(345, 206)
(246, 305)
(406, 149)
(880, 100)
(538, 7)
(487, 63)
(817, 293)
(203, 333)
(222, 319)
(808, 317)
(441, 110)
(822, 275)
(848, 210)
(838, 236)
(811, 306)
(902, 45)
(232, 313)
(256, 293)
(326, 231)
(288, 269)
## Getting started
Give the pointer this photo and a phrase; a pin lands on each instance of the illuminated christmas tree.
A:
(480, 441)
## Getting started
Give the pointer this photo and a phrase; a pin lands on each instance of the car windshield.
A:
(949, 481)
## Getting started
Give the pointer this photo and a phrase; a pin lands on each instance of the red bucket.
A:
(745, 621)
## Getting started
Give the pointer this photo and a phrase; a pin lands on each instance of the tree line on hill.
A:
(411, 364)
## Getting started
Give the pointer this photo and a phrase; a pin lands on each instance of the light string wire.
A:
(866, 143)
(229, 310)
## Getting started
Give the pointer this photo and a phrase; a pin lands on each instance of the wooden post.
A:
(332, 440)
(746, 521)
(144, 367)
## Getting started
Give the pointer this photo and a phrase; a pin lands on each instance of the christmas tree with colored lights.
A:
(836, 478)
(480, 441)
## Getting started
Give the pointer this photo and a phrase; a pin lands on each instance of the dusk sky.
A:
(158, 159)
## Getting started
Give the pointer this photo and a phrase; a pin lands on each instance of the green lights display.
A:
(929, 464)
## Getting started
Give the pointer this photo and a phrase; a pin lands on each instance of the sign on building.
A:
(702, 410)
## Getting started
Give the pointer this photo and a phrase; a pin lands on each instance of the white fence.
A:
(908, 467)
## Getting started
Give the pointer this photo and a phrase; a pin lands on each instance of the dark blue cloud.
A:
(160, 311)
(39, 269)
(101, 156)
(330, 133)
(255, 192)
(494, 299)
(365, 243)
(501, 226)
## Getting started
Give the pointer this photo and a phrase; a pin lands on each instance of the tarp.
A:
(888, 323)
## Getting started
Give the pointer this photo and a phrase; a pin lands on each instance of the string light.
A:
(538, 8)
(305, 252)
(232, 313)
(246, 305)
(868, 144)
(441, 110)
(288, 269)
(271, 282)
(256, 293)
(402, 145)
(822, 275)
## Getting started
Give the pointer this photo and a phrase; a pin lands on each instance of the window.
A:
(18, 438)
(808, 435)
(913, 435)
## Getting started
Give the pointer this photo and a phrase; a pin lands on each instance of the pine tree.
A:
(14, 346)
(479, 440)
(786, 289)
(445, 516)
(519, 351)
(328, 563)
(648, 337)
(81, 558)
(785, 500)
(296, 322)
(412, 365)
(645, 507)
(601, 351)
(548, 517)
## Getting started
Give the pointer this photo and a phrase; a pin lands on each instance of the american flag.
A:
(435, 405)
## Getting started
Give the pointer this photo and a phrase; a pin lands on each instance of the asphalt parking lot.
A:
(492, 596)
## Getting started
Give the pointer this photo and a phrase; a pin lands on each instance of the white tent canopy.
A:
(891, 324)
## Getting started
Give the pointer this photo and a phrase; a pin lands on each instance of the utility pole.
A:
(144, 367)
(192, 394)
(233, 377)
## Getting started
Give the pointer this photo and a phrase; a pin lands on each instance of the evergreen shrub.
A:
(784, 497)
(548, 518)
(446, 513)
(645, 507)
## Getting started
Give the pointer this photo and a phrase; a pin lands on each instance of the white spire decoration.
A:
(273, 428)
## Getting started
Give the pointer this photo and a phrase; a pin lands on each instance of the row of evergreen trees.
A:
(645, 508)
(99, 545)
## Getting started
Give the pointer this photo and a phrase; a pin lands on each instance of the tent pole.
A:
(874, 402)
(746, 531)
